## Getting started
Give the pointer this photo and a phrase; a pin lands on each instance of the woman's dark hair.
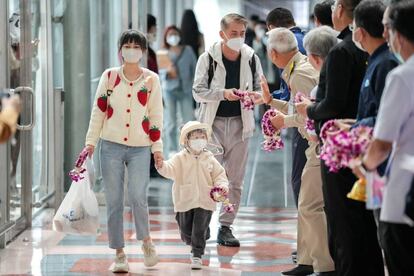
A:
(280, 17)
(166, 45)
(368, 15)
(151, 21)
(401, 19)
(323, 12)
(132, 36)
(190, 35)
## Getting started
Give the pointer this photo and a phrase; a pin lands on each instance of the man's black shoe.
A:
(326, 273)
(301, 270)
(226, 238)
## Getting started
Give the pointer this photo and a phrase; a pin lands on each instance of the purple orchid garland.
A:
(272, 137)
(219, 194)
(76, 173)
(343, 148)
(245, 99)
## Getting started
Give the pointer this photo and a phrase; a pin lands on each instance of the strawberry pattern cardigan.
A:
(127, 112)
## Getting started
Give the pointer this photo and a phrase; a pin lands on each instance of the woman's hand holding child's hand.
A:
(159, 159)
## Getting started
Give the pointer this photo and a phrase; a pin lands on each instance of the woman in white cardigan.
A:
(127, 117)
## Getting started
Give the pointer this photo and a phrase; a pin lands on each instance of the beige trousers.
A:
(312, 228)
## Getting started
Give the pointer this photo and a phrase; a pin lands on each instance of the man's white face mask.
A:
(235, 43)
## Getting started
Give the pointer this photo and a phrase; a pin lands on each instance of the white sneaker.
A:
(150, 255)
(196, 263)
(121, 264)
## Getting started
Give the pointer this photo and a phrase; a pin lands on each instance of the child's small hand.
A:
(159, 159)
(225, 188)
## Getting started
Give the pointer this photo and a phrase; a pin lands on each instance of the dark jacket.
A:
(340, 81)
(380, 63)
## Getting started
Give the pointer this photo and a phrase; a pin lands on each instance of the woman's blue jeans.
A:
(114, 158)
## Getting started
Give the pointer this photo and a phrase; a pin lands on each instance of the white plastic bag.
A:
(79, 213)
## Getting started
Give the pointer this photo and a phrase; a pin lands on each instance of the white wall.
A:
(209, 14)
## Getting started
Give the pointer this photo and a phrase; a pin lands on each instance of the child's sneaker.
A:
(196, 263)
(150, 255)
(121, 264)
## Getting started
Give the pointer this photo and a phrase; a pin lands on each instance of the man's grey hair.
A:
(282, 40)
(319, 41)
(232, 17)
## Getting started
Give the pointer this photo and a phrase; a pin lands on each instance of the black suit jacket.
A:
(339, 82)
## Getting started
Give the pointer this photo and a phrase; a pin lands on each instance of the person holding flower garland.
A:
(227, 66)
(351, 228)
(195, 172)
(312, 241)
(367, 31)
(127, 116)
(393, 134)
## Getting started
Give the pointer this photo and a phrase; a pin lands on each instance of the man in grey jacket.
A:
(228, 65)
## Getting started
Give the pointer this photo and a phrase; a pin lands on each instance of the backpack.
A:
(213, 65)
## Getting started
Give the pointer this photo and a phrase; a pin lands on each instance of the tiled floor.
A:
(265, 225)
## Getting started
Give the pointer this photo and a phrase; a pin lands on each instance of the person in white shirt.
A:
(393, 133)
(195, 172)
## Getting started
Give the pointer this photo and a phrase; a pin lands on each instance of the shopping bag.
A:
(79, 213)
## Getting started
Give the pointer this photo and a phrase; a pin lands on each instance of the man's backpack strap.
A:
(212, 64)
(252, 64)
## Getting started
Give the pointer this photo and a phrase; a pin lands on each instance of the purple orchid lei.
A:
(219, 194)
(343, 148)
(76, 173)
(272, 137)
(245, 99)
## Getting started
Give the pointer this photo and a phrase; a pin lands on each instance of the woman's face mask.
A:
(173, 40)
(131, 55)
(260, 32)
(151, 37)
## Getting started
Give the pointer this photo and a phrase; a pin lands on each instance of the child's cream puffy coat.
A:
(194, 176)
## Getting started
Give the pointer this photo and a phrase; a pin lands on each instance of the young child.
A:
(195, 172)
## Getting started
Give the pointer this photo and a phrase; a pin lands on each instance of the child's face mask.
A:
(197, 144)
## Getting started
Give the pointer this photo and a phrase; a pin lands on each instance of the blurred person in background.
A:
(190, 34)
(250, 31)
(177, 82)
(151, 37)
(322, 13)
